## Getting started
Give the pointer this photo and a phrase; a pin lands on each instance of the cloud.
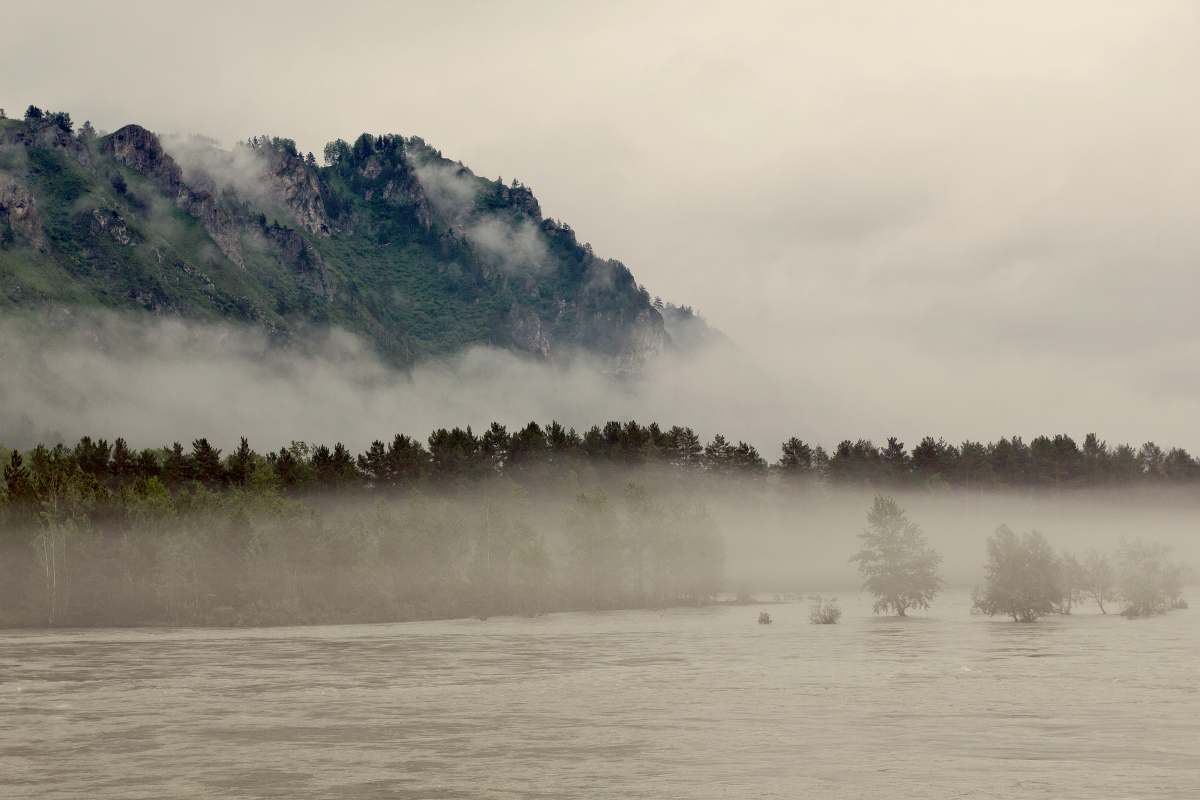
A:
(155, 381)
(206, 166)
(516, 246)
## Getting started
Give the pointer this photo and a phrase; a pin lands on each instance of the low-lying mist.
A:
(156, 381)
(801, 540)
(153, 382)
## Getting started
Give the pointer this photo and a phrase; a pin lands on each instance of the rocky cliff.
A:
(141, 151)
(19, 211)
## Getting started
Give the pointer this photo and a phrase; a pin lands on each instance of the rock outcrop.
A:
(48, 135)
(300, 256)
(645, 338)
(112, 223)
(523, 201)
(529, 333)
(297, 188)
(17, 208)
(406, 190)
(141, 151)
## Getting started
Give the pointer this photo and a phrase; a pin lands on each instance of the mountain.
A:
(387, 239)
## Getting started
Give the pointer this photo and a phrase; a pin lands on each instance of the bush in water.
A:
(825, 612)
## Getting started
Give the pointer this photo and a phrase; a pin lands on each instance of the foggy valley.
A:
(807, 407)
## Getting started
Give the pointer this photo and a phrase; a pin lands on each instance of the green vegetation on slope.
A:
(389, 240)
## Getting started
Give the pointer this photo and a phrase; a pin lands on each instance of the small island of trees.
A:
(1025, 578)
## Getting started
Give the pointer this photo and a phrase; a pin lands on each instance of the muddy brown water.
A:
(686, 703)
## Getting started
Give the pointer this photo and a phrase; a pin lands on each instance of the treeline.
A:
(459, 457)
(1045, 461)
(92, 537)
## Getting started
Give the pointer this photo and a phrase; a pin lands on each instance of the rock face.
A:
(113, 224)
(297, 189)
(523, 201)
(529, 333)
(406, 191)
(18, 209)
(297, 253)
(401, 184)
(50, 136)
(645, 338)
(141, 151)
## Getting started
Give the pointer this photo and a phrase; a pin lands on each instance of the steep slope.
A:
(389, 240)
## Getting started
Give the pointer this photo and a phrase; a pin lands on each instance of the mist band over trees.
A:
(446, 527)
(127, 543)
(395, 242)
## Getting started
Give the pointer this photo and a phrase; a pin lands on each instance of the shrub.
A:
(825, 612)
(764, 618)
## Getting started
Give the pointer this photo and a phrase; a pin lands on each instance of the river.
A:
(685, 703)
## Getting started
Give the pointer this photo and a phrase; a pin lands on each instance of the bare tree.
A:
(1099, 582)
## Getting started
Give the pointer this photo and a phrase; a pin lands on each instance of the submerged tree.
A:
(1150, 583)
(1099, 582)
(1023, 576)
(898, 566)
(1071, 582)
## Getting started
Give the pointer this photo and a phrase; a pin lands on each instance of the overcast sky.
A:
(969, 220)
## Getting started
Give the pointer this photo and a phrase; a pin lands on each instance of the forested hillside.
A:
(387, 239)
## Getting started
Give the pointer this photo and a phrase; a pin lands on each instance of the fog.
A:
(156, 381)
(947, 221)
(801, 541)
(207, 165)
(159, 381)
(452, 191)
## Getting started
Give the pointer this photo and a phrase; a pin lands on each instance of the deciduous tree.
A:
(899, 568)
(1022, 576)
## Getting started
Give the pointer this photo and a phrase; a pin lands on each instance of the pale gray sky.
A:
(969, 220)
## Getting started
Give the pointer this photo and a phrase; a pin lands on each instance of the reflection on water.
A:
(682, 703)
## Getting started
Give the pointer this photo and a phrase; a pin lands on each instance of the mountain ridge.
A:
(389, 239)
